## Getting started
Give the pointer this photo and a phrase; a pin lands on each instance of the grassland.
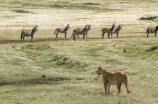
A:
(69, 65)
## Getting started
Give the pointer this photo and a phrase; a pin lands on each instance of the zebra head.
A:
(119, 27)
(85, 28)
(34, 29)
(67, 26)
(89, 27)
(113, 26)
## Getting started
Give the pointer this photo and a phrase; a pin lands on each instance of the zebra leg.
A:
(83, 36)
(31, 38)
(103, 35)
(155, 34)
(23, 38)
(117, 35)
(55, 31)
(57, 35)
(108, 35)
(147, 35)
(74, 36)
(65, 35)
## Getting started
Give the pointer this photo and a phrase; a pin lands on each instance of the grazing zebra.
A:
(80, 31)
(61, 30)
(117, 30)
(28, 33)
(152, 30)
(108, 30)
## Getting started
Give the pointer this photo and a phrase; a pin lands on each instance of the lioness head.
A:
(99, 71)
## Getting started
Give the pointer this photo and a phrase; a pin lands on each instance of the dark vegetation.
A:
(148, 18)
(62, 60)
(21, 11)
(66, 5)
(155, 47)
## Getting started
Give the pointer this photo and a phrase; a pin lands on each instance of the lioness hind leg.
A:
(127, 87)
(128, 91)
(108, 88)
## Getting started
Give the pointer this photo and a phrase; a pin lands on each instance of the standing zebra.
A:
(80, 31)
(61, 30)
(117, 30)
(152, 30)
(28, 33)
(108, 30)
(89, 28)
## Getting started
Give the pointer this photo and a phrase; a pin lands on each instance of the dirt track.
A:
(38, 81)
(41, 40)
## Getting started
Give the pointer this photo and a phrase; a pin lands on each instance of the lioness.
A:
(116, 78)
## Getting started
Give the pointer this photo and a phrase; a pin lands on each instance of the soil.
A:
(38, 81)
(41, 40)
(19, 41)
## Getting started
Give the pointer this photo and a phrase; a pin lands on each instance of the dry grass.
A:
(50, 18)
(77, 59)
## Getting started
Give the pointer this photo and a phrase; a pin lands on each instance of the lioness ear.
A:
(99, 67)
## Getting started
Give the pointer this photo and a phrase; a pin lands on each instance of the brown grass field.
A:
(69, 66)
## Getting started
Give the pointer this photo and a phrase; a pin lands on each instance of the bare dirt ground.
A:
(36, 81)
(42, 40)
(19, 41)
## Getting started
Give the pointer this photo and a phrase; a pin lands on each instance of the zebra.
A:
(80, 31)
(152, 30)
(28, 33)
(88, 28)
(61, 30)
(117, 30)
(108, 30)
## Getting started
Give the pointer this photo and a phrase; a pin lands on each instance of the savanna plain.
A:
(63, 71)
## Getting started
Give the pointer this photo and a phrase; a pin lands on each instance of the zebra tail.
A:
(55, 31)
(72, 34)
(147, 30)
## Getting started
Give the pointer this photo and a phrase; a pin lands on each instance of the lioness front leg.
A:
(105, 87)
(119, 87)
(108, 88)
